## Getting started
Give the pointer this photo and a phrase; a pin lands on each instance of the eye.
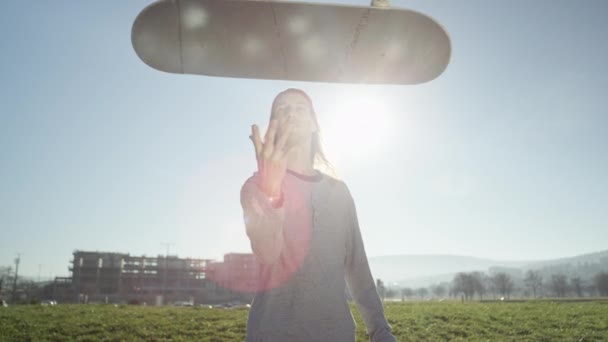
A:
(279, 109)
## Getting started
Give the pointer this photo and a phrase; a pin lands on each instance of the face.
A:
(293, 109)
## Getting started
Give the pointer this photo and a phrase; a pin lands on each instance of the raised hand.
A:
(271, 155)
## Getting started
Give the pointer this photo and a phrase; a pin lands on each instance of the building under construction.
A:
(118, 277)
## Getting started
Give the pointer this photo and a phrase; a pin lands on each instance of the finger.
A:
(269, 138)
(255, 147)
(271, 132)
(257, 142)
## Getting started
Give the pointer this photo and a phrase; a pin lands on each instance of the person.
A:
(303, 230)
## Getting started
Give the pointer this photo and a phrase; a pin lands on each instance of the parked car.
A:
(183, 303)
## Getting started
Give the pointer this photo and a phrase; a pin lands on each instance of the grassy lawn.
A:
(417, 321)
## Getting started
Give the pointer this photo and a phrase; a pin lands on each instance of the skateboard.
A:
(297, 41)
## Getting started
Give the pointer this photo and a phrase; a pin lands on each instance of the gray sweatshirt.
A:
(309, 248)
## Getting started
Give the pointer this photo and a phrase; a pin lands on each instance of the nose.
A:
(290, 111)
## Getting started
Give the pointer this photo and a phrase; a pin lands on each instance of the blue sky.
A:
(503, 156)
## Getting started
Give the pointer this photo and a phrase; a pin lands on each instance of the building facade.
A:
(237, 272)
(118, 277)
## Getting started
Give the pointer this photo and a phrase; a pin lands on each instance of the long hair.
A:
(317, 156)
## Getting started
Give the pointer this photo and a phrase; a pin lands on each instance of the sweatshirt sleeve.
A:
(263, 222)
(361, 283)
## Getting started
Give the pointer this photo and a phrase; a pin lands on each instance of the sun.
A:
(357, 128)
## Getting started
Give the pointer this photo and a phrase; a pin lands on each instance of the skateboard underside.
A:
(291, 41)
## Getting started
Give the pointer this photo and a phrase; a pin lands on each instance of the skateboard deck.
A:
(294, 41)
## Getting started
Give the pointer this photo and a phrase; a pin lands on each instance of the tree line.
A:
(504, 286)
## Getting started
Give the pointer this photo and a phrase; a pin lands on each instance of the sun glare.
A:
(357, 128)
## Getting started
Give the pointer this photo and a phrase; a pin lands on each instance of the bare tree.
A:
(601, 283)
(468, 284)
(421, 292)
(5, 272)
(462, 284)
(503, 283)
(5, 276)
(533, 280)
(478, 284)
(439, 290)
(406, 292)
(490, 286)
(559, 285)
(577, 285)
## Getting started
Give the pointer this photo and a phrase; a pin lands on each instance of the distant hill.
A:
(575, 260)
(424, 270)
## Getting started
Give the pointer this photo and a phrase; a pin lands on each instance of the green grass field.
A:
(420, 321)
